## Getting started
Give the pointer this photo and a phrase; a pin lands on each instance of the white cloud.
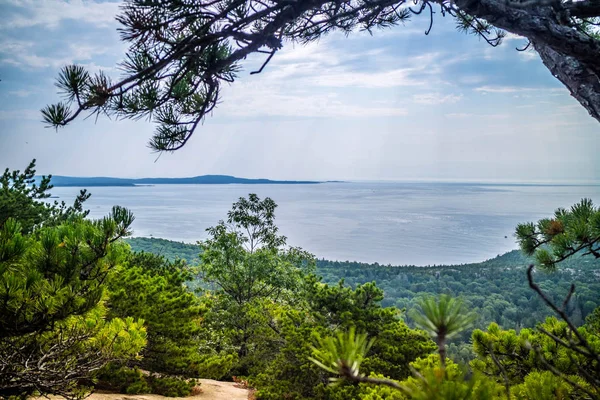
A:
(478, 116)
(50, 13)
(20, 93)
(417, 71)
(516, 89)
(471, 79)
(22, 53)
(511, 36)
(383, 79)
(306, 81)
(436, 98)
(250, 100)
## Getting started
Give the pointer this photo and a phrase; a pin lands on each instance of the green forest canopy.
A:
(496, 289)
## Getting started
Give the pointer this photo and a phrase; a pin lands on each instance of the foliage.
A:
(570, 232)
(171, 386)
(152, 288)
(554, 361)
(341, 307)
(592, 322)
(133, 381)
(123, 379)
(181, 52)
(434, 380)
(247, 262)
(569, 355)
(56, 271)
(215, 366)
(430, 380)
(247, 259)
(342, 353)
(281, 332)
(241, 336)
(63, 360)
(494, 290)
(546, 386)
(22, 197)
(443, 319)
(168, 249)
(292, 374)
(516, 355)
(541, 353)
(53, 330)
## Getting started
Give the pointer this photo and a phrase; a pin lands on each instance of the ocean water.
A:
(389, 223)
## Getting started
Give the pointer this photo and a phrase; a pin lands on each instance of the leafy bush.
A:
(133, 381)
(216, 366)
(171, 386)
(123, 379)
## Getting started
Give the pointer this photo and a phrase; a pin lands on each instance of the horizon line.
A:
(482, 181)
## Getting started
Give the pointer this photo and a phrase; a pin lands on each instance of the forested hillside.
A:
(169, 249)
(496, 289)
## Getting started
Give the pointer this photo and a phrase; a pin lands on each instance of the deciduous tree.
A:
(251, 268)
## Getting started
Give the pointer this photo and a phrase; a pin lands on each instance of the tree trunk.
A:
(441, 343)
(583, 84)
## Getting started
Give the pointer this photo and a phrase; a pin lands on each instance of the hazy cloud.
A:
(516, 89)
(435, 98)
(50, 13)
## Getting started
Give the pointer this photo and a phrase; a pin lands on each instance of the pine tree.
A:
(151, 288)
(53, 266)
(53, 331)
(23, 198)
(571, 232)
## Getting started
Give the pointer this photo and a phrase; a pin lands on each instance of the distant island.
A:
(62, 181)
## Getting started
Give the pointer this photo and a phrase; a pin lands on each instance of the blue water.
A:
(389, 223)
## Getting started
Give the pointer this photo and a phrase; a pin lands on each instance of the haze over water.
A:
(389, 223)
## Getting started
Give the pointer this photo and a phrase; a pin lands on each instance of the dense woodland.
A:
(83, 308)
(169, 249)
(495, 289)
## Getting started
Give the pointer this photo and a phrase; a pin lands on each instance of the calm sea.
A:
(389, 223)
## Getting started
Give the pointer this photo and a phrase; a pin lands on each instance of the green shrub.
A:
(123, 379)
(133, 381)
(137, 387)
(171, 386)
(216, 366)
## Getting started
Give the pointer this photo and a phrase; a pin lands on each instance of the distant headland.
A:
(62, 181)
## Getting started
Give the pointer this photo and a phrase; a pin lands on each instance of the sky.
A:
(394, 105)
